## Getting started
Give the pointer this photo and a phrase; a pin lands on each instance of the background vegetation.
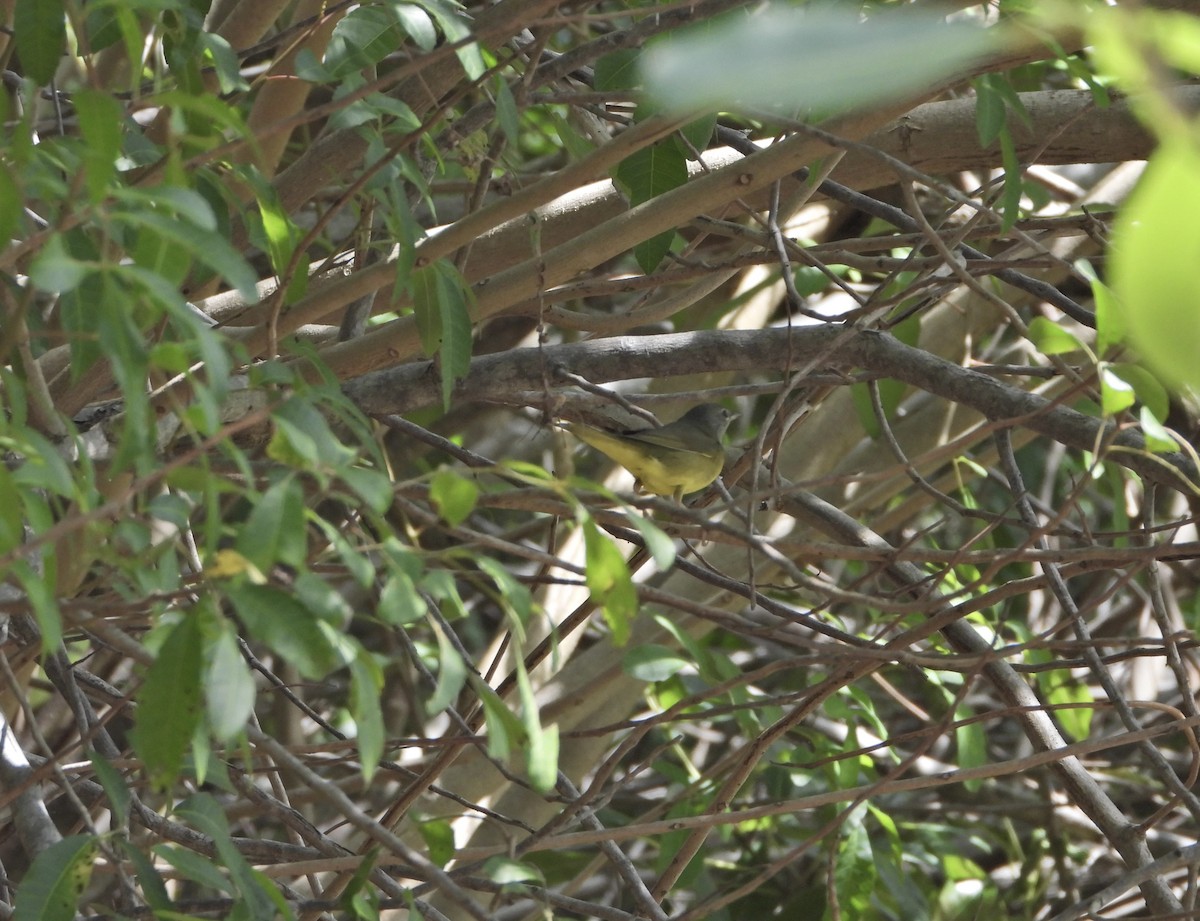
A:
(310, 608)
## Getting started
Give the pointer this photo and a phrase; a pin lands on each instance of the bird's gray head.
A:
(713, 418)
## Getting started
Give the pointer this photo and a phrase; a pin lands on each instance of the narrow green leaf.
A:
(452, 20)
(507, 113)
(455, 302)
(515, 596)
(989, 110)
(366, 684)
(541, 750)
(504, 730)
(972, 745)
(229, 687)
(205, 246)
(55, 881)
(10, 204)
(100, 120)
(154, 890)
(658, 542)
(12, 524)
(645, 174)
(114, 786)
(260, 898)
(1014, 181)
(39, 28)
(373, 487)
(417, 24)
(39, 592)
(854, 873)
(196, 867)
(169, 703)
(609, 582)
(452, 674)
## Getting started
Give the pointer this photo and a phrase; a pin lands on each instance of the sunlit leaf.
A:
(609, 582)
(821, 57)
(453, 495)
(1152, 266)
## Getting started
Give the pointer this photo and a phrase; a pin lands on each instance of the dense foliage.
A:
(307, 610)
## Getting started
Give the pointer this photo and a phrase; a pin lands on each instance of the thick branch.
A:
(506, 375)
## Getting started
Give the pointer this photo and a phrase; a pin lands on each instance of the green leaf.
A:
(56, 880)
(114, 786)
(609, 582)
(442, 304)
(399, 602)
(1153, 278)
(454, 496)
(1116, 394)
(618, 70)
(653, 662)
(659, 544)
(515, 597)
(154, 890)
(454, 303)
(260, 899)
(366, 685)
(972, 745)
(452, 674)
(439, 840)
(1158, 437)
(504, 730)
(452, 20)
(1111, 328)
(288, 628)
(39, 592)
(821, 57)
(206, 246)
(506, 871)
(1066, 689)
(1014, 181)
(1052, 339)
(275, 531)
(541, 749)
(10, 204)
(56, 271)
(169, 707)
(854, 873)
(39, 28)
(372, 486)
(229, 687)
(989, 110)
(100, 121)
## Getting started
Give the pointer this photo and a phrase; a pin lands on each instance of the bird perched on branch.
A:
(671, 460)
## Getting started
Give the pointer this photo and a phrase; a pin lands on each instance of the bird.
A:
(673, 460)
